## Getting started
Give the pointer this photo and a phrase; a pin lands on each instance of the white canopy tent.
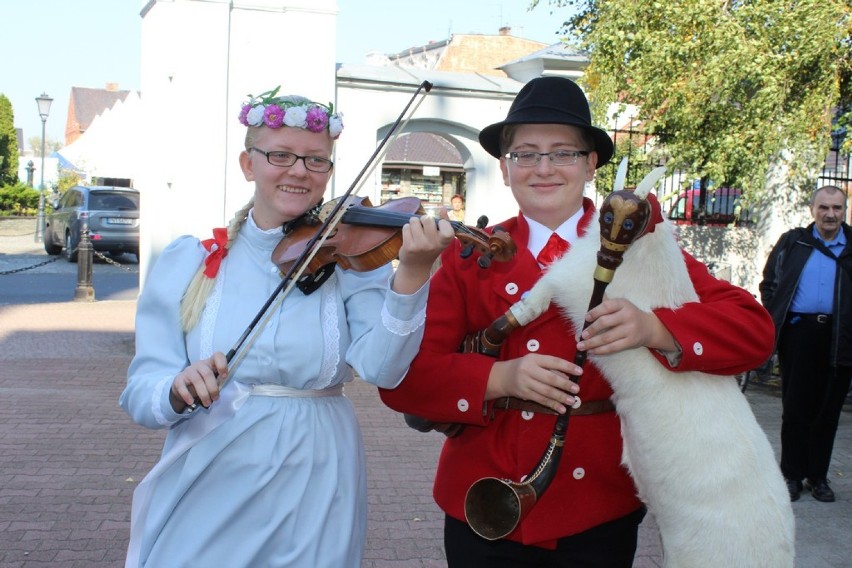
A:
(110, 147)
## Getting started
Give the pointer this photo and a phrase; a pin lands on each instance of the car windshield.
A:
(113, 202)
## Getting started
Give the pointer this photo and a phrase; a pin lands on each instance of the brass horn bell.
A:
(494, 507)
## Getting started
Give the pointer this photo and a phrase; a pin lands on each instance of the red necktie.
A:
(555, 248)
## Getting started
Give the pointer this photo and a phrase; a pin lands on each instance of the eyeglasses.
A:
(557, 158)
(287, 159)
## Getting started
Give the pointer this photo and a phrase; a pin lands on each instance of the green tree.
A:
(639, 163)
(18, 199)
(66, 180)
(730, 85)
(8, 144)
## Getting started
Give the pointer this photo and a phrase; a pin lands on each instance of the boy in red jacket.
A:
(589, 516)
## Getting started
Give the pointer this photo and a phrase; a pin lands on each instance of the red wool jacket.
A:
(591, 486)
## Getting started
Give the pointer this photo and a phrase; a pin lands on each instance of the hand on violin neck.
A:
(423, 240)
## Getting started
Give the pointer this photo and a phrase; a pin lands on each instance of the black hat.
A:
(549, 100)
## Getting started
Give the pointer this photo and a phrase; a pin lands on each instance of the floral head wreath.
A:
(271, 111)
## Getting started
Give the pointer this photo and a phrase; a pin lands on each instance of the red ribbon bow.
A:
(217, 249)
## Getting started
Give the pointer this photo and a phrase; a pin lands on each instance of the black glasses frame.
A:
(312, 163)
(572, 155)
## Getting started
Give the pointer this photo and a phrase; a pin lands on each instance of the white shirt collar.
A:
(539, 234)
(264, 238)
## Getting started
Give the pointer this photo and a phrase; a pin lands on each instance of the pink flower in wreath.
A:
(317, 119)
(273, 116)
(244, 114)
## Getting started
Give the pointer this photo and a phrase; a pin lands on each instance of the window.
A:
(113, 202)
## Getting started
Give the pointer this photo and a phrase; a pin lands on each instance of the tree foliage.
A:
(18, 199)
(67, 179)
(8, 143)
(731, 85)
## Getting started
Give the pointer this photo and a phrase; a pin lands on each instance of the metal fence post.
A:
(85, 252)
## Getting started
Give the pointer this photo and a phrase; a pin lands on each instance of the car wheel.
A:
(70, 248)
(51, 248)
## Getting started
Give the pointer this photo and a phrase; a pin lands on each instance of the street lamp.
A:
(43, 110)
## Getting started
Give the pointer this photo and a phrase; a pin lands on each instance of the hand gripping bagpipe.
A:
(494, 507)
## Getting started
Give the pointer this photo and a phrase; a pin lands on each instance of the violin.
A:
(368, 237)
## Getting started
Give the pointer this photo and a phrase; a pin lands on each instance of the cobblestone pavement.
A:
(71, 457)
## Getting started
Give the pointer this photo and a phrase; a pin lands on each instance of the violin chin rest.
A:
(310, 283)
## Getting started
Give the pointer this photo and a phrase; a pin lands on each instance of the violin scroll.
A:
(497, 246)
(481, 223)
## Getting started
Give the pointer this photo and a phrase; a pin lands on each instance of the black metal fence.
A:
(838, 167)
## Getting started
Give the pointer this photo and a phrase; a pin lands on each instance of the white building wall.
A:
(200, 60)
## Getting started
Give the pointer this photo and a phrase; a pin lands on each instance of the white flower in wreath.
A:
(335, 125)
(295, 117)
(255, 116)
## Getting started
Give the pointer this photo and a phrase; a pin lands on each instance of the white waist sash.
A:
(280, 390)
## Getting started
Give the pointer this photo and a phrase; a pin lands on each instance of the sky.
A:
(49, 46)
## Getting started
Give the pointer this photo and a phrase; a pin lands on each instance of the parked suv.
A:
(110, 213)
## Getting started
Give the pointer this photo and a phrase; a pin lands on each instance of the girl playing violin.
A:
(270, 472)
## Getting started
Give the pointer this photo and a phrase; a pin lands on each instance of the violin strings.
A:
(366, 214)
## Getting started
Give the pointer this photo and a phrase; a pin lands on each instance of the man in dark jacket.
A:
(807, 287)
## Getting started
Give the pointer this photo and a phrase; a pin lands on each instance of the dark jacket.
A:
(781, 278)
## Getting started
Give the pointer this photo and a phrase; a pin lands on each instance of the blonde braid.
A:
(199, 289)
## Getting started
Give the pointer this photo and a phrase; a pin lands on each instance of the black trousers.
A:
(610, 545)
(812, 394)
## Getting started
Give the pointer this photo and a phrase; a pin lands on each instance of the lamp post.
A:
(43, 110)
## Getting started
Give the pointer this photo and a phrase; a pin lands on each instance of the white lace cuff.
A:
(402, 327)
